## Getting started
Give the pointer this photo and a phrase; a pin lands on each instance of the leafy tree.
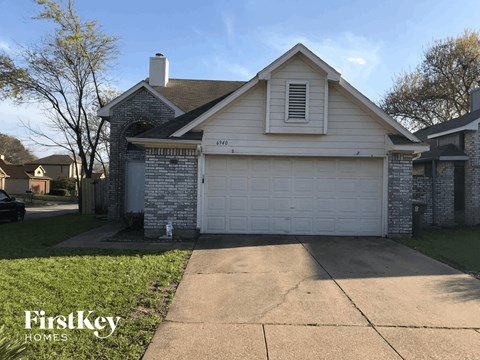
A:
(14, 150)
(67, 73)
(438, 89)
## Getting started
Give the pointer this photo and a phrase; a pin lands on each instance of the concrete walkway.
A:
(318, 298)
(95, 239)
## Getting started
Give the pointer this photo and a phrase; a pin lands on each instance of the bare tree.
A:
(66, 72)
(438, 89)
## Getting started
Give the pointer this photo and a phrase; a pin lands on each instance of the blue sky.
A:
(369, 42)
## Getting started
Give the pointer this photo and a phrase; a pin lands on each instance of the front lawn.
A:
(459, 247)
(135, 285)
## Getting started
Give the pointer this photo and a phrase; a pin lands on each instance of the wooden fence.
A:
(94, 196)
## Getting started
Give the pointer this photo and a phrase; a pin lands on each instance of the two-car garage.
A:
(293, 195)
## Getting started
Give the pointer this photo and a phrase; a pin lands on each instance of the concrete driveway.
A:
(298, 297)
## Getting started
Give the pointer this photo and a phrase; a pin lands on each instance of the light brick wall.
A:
(141, 107)
(472, 178)
(400, 187)
(422, 190)
(444, 193)
(170, 190)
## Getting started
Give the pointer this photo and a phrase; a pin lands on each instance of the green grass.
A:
(459, 247)
(135, 285)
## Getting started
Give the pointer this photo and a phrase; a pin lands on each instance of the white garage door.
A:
(259, 195)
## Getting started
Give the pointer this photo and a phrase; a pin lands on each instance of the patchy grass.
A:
(458, 247)
(135, 285)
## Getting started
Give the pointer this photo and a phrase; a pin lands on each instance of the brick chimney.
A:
(158, 75)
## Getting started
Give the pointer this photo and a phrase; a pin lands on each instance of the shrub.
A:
(66, 184)
(10, 349)
(134, 220)
(59, 192)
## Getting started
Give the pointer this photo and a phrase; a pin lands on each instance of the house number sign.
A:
(222, 142)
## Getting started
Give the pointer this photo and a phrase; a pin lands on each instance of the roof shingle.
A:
(448, 125)
(190, 94)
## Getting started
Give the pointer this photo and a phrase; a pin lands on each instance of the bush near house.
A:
(62, 187)
(135, 285)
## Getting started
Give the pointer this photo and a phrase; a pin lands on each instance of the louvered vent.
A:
(297, 101)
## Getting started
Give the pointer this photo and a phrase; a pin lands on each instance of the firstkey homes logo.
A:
(102, 327)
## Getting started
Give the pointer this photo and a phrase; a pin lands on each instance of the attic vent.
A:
(297, 101)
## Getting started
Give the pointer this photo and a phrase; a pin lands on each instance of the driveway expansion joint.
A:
(350, 299)
(265, 341)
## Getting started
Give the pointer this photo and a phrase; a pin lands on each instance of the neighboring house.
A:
(295, 150)
(447, 177)
(3, 176)
(59, 166)
(23, 178)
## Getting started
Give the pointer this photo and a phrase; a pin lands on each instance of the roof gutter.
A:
(164, 143)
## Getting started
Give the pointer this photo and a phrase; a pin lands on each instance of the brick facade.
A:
(141, 108)
(170, 190)
(444, 193)
(399, 195)
(472, 178)
(422, 190)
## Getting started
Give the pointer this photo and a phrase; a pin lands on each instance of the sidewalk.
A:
(95, 239)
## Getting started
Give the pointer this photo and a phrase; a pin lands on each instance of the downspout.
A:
(434, 173)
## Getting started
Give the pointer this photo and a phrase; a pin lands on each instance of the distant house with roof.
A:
(59, 166)
(447, 177)
(22, 178)
(3, 175)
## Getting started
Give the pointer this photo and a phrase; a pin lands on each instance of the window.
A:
(296, 107)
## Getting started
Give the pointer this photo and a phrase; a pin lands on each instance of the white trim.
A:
(106, 111)
(385, 198)
(235, 95)
(164, 143)
(352, 155)
(453, 158)
(266, 73)
(267, 106)
(200, 186)
(325, 108)
(473, 126)
(406, 148)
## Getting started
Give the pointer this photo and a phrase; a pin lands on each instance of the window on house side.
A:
(297, 101)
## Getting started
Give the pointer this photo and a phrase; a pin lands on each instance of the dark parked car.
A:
(11, 208)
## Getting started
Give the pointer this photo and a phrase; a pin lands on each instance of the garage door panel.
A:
(282, 184)
(238, 183)
(217, 203)
(238, 223)
(281, 224)
(217, 183)
(260, 204)
(293, 195)
(238, 203)
(260, 224)
(260, 184)
(304, 184)
(281, 204)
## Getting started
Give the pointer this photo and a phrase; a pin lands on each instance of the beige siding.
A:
(240, 129)
(296, 69)
(17, 186)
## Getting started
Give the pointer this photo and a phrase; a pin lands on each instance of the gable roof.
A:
(458, 124)
(21, 171)
(332, 75)
(53, 160)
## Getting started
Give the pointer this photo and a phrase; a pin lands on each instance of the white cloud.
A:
(355, 57)
(229, 28)
(5, 46)
(357, 60)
